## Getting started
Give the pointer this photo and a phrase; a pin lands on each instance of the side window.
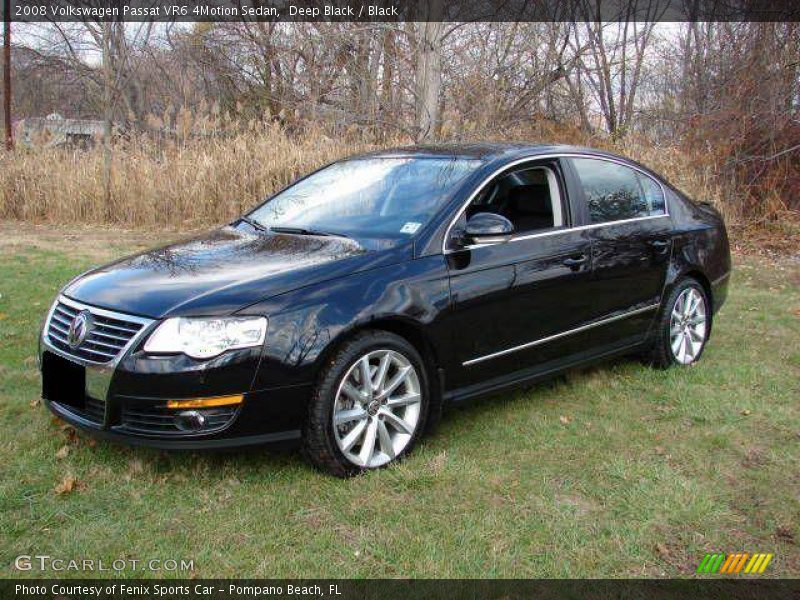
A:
(653, 195)
(529, 197)
(614, 192)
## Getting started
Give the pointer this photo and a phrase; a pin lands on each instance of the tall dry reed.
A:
(188, 181)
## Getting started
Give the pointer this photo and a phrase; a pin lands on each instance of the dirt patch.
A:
(755, 457)
(774, 241)
(98, 242)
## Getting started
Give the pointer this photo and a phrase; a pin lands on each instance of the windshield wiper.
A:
(305, 231)
(252, 223)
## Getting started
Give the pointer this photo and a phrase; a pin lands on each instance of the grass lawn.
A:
(616, 471)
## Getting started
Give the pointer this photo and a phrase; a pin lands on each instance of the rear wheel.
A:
(683, 326)
(369, 407)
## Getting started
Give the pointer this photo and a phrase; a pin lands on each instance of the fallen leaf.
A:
(35, 402)
(62, 452)
(91, 442)
(659, 450)
(66, 486)
(72, 435)
(662, 550)
(797, 312)
(565, 420)
(3, 316)
(746, 412)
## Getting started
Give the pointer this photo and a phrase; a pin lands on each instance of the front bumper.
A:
(206, 442)
(125, 399)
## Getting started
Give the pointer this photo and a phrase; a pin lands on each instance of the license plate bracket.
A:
(63, 381)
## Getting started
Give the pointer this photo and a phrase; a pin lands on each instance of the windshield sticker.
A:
(410, 227)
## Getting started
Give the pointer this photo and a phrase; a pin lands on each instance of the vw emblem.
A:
(79, 329)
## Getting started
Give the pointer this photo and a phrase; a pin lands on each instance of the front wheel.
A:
(683, 326)
(369, 406)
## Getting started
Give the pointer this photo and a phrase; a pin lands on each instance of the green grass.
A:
(647, 471)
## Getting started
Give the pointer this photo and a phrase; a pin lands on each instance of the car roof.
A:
(497, 154)
(485, 151)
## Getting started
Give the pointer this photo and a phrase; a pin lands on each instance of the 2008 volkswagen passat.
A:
(347, 309)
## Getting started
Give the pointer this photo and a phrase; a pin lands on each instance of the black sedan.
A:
(347, 309)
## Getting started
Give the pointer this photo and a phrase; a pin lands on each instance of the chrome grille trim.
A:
(112, 335)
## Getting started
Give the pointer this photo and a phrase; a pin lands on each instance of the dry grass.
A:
(165, 183)
(191, 182)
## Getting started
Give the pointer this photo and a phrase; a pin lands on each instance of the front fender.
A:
(307, 324)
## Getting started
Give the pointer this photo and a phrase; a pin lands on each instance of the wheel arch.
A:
(696, 273)
(414, 333)
(704, 281)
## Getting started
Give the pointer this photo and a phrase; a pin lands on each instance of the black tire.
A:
(319, 442)
(660, 353)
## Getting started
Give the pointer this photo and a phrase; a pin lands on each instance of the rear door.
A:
(626, 215)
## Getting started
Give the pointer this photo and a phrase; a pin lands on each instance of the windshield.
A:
(370, 197)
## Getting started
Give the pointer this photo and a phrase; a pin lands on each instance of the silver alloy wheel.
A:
(377, 408)
(687, 326)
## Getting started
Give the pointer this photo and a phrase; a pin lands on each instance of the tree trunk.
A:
(428, 73)
(387, 99)
(108, 111)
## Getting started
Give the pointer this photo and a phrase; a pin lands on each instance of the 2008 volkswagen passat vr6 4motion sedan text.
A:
(347, 309)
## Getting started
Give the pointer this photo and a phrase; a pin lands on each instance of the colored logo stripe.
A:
(734, 563)
(758, 563)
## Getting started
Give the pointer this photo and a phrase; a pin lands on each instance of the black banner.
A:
(668, 589)
(403, 10)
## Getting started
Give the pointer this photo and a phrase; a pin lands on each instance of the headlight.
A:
(204, 338)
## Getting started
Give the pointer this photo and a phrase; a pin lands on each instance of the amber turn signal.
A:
(206, 402)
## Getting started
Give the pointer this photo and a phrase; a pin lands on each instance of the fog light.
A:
(190, 420)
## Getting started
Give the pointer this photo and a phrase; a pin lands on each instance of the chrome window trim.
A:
(489, 178)
(556, 336)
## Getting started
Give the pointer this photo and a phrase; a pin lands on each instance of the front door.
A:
(513, 301)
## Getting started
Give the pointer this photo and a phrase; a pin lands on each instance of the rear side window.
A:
(653, 195)
(614, 192)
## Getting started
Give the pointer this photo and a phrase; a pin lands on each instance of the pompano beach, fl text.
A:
(170, 591)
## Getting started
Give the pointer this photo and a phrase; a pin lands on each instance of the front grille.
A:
(107, 338)
(160, 419)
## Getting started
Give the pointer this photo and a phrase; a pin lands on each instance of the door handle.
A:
(660, 246)
(575, 262)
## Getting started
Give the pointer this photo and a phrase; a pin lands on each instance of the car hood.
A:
(222, 272)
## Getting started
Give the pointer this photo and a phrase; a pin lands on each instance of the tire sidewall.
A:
(330, 380)
(665, 322)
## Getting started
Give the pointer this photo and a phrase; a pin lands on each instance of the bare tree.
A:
(612, 68)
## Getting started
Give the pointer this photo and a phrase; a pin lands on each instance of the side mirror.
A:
(488, 228)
